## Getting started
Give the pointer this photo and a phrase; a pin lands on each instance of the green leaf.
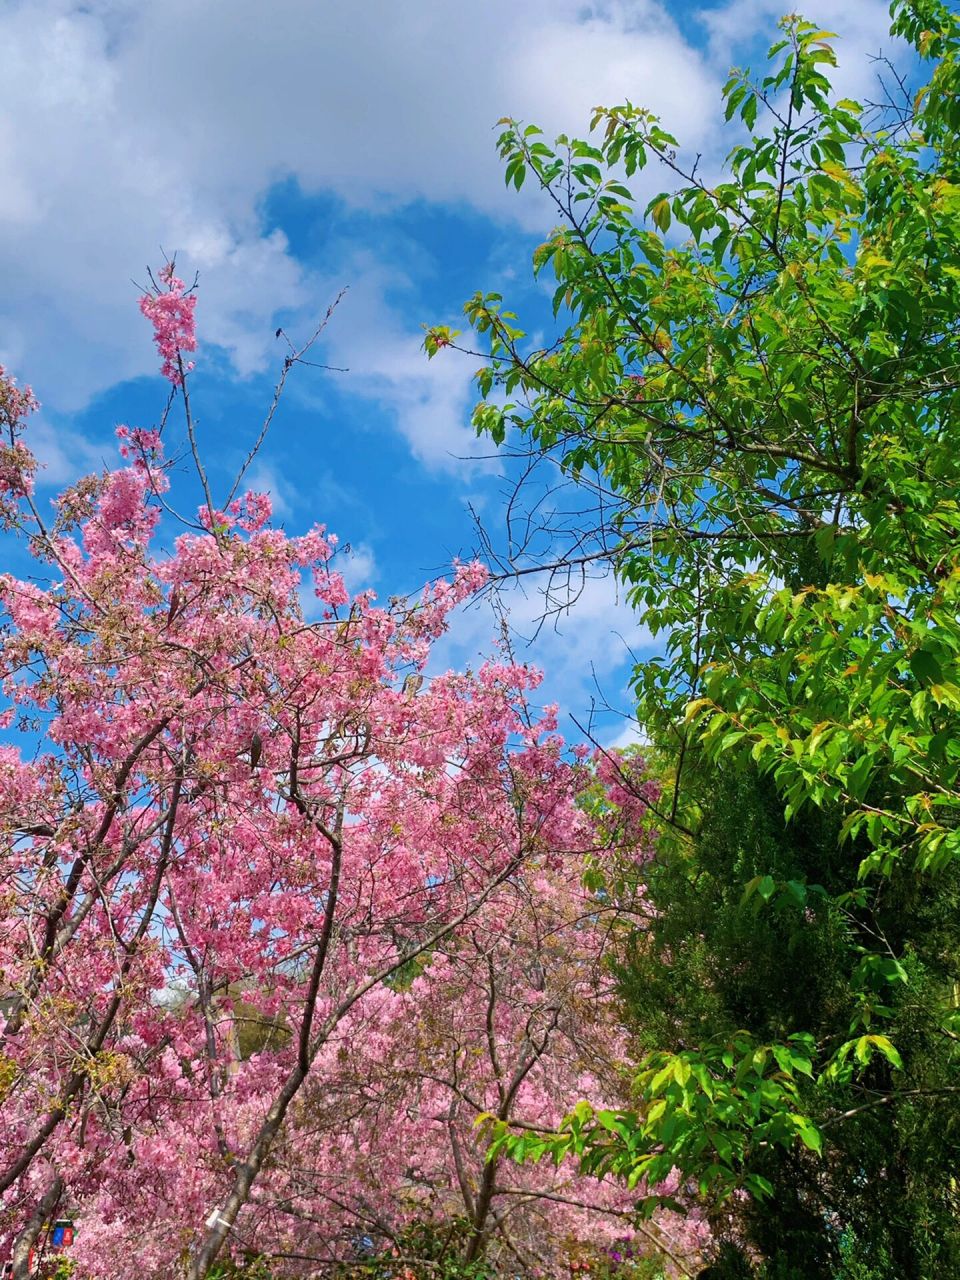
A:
(660, 212)
(925, 667)
(811, 1137)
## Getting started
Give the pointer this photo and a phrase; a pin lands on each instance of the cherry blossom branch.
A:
(221, 1221)
(296, 357)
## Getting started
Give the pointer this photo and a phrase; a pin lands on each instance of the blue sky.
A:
(284, 149)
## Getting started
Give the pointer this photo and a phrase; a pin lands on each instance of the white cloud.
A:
(623, 52)
(140, 126)
(629, 735)
(358, 565)
(90, 195)
(64, 456)
(146, 125)
(585, 651)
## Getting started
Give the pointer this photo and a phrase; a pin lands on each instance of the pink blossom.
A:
(252, 511)
(16, 403)
(17, 463)
(210, 787)
(170, 311)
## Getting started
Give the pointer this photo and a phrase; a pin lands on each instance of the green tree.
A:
(713, 966)
(762, 373)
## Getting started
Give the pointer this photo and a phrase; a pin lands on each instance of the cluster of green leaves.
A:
(58, 1269)
(763, 372)
(855, 702)
(737, 947)
(687, 1109)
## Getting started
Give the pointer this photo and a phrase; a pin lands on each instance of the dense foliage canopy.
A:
(757, 377)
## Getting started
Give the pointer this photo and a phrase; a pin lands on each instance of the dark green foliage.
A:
(713, 963)
(882, 1203)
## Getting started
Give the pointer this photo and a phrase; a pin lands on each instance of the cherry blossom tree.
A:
(230, 812)
(512, 1018)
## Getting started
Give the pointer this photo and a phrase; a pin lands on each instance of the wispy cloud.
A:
(358, 564)
(427, 401)
(64, 455)
(586, 651)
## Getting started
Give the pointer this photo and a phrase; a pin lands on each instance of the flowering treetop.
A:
(170, 308)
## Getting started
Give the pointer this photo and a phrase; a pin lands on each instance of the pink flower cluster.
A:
(252, 511)
(170, 311)
(15, 402)
(266, 905)
(17, 463)
(143, 446)
(631, 792)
